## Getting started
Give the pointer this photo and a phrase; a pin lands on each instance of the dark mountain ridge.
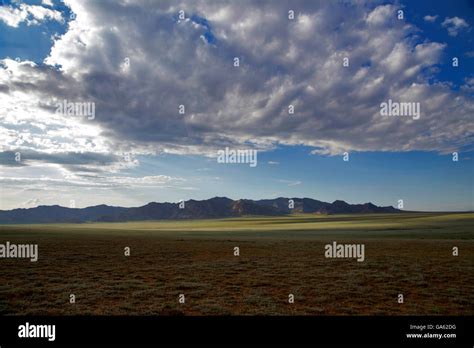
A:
(217, 207)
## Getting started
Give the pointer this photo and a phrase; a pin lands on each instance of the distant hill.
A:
(217, 207)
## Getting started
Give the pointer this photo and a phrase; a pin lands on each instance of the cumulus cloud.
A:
(468, 85)
(430, 19)
(454, 25)
(13, 15)
(47, 2)
(138, 62)
(381, 15)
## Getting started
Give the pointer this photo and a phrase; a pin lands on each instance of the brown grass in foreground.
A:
(215, 282)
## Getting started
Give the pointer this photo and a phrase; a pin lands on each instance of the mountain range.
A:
(217, 207)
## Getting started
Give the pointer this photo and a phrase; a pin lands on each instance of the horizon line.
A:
(241, 199)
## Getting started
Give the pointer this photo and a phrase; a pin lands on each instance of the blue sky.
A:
(31, 42)
(190, 62)
(383, 178)
(434, 31)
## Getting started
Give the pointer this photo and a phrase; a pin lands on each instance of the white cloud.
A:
(90, 182)
(454, 25)
(290, 182)
(430, 19)
(47, 2)
(468, 85)
(30, 203)
(31, 14)
(12, 16)
(283, 62)
(381, 15)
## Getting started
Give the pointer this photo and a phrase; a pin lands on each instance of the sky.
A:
(162, 94)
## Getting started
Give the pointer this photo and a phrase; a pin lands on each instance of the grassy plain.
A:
(404, 253)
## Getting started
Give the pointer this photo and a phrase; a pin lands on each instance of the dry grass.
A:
(105, 282)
